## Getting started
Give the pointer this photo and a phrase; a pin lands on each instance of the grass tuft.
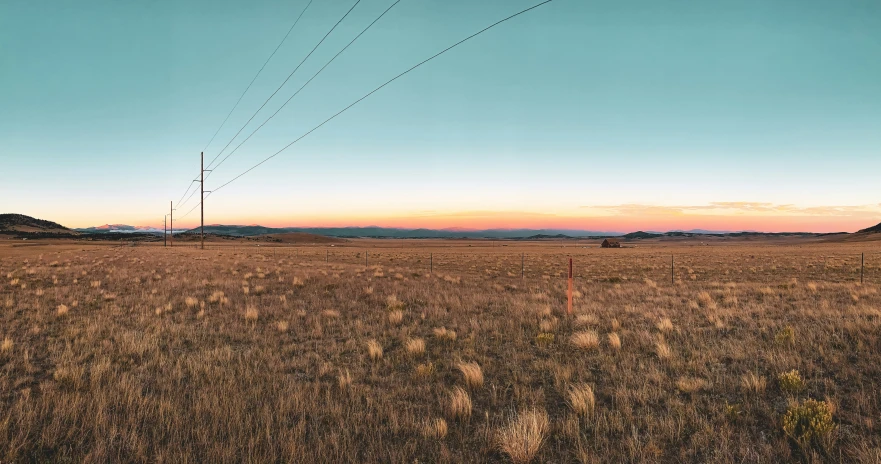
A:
(586, 340)
(415, 346)
(522, 438)
(472, 374)
(374, 350)
(581, 399)
(460, 404)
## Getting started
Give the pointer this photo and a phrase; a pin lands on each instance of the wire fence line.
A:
(589, 264)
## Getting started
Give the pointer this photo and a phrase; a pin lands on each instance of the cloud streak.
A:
(755, 209)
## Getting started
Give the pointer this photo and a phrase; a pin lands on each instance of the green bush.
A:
(791, 382)
(809, 421)
(785, 336)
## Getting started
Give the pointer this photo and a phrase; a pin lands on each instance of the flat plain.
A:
(440, 351)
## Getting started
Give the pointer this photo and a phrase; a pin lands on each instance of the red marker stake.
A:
(569, 309)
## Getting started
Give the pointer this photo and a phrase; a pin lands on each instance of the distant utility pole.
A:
(202, 200)
(171, 226)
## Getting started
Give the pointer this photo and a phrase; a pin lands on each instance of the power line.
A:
(246, 91)
(381, 86)
(194, 207)
(288, 78)
(188, 198)
(307, 83)
(187, 191)
(255, 77)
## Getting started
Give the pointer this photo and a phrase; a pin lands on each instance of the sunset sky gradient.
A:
(603, 116)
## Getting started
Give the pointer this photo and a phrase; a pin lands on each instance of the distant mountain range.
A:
(386, 232)
(124, 229)
(21, 224)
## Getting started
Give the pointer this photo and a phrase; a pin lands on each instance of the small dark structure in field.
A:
(611, 243)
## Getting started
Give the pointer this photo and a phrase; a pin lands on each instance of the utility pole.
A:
(202, 199)
(171, 228)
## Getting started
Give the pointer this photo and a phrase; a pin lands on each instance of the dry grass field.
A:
(755, 353)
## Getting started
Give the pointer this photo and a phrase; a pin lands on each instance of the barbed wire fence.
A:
(589, 265)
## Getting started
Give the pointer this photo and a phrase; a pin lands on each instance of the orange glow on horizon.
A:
(624, 224)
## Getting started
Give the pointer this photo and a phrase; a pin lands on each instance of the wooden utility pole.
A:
(862, 265)
(171, 228)
(672, 272)
(201, 181)
(202, 200)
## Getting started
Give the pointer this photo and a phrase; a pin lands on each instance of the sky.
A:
(593, 115)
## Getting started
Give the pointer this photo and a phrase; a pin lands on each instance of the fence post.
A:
(569, 293)
(672, 271)
(862, 265)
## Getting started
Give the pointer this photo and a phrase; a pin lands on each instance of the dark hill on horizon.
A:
(281, 237)
(871, 230)
(21, 223)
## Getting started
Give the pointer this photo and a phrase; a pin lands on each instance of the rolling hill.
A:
(22, 223)
(871, 230)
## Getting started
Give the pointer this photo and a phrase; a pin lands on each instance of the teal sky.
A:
(555, 118)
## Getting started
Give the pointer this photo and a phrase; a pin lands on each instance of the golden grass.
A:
(460, 404)
(132, 372)
(585, 340)
(415, 346)
(614, 341)
(344, 380)
(423, 371)
(396, 317)
(581, 399)
(374, 350)
(444, 334)
(752, 383)
(62, 309)
(691, 384)
(523, 436)
(665, 325)
(471, 373)
(435, 428)
(663, 350)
